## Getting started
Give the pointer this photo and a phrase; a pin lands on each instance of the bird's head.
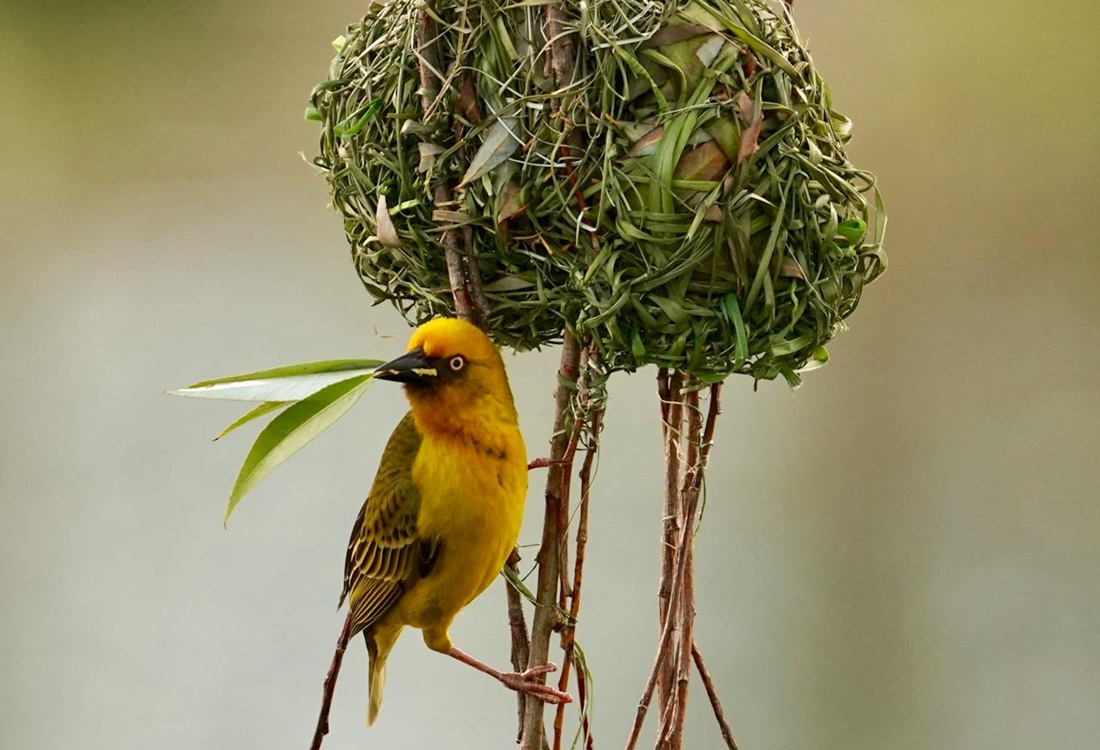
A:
(452, 374)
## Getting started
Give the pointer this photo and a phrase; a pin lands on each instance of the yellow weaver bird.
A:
(445, 508)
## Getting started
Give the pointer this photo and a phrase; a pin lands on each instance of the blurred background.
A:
(904, 553)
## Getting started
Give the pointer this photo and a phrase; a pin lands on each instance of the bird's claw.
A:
(533, 672)
(524, 682)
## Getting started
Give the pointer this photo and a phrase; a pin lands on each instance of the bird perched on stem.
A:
(445, 508)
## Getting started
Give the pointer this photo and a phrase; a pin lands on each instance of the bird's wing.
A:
(385, 552)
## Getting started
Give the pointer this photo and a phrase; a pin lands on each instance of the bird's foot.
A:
(525, 682)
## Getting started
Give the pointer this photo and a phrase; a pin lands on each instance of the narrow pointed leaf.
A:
(292, 429)
(500, 143)
(741, 338)
(290, 383)
(265, 408)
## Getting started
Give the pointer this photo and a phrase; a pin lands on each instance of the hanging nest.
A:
(685, 202)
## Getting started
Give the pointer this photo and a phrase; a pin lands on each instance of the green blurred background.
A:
(903, 554)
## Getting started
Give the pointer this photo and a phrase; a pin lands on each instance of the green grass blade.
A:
(265, 408)
(741, 338)
(289, 383)
(292, 429)
(514, 580)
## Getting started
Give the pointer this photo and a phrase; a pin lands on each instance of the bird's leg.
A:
(521, 682)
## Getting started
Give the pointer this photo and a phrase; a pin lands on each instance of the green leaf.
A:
(500, 143)
(851, 232)
(514, 580)
(265, 408)
(289, 383)
(292, 429)
(741, 338)
(341, 129)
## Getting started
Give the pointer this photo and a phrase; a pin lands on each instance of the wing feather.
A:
(385, 550)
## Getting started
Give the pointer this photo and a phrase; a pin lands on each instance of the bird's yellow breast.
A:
(471, 504)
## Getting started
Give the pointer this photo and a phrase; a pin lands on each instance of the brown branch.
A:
(568, 636)
(521, 643)
(664, 643)
(549, 556)
(663, 727)
(708, 685)
(692, 420)
(584, 361)
(713, 410)
(330, 685)
(688, 442)
(671, 520)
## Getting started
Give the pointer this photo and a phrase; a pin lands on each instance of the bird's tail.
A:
(379, 643)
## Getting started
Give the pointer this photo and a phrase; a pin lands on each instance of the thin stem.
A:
(708, 685)
(566, 588)
(330, 684)
(685, 614)
(713, 411)
(688, 442)
(671, 519)
(521, 643)
(568, 635)
(664, 643)
(549, 556)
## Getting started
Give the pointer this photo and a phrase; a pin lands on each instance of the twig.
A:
(671, 521)
(708, 685)
(521, 643)
(663, 643)
(688, 441)
(330, 684)
(714, 409)
(549, 556)
(594, 419)
(689, 500)
(668, 716)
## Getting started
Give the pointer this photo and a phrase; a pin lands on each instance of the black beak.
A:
(413, 367)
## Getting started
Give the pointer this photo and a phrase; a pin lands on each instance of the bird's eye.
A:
(457, 363)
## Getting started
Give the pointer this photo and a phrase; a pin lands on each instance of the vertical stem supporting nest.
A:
(688, 440)
(578, 418)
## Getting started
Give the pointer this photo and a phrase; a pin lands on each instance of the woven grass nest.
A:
(686, 201)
